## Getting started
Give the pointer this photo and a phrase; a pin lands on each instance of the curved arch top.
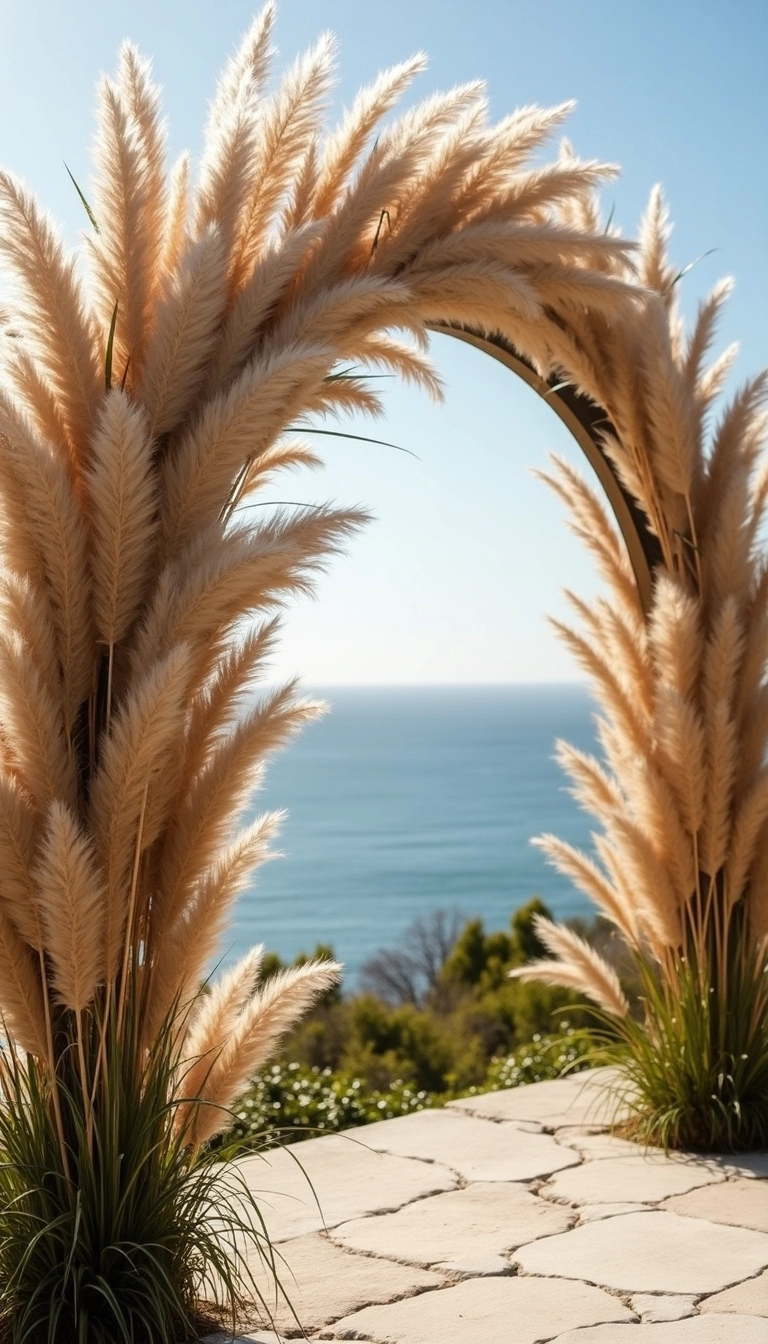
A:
(586, 422)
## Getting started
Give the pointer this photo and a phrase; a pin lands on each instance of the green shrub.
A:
(288, 1102)
(543, 1059)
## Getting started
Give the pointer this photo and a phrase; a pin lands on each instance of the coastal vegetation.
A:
(437, 1018)
(439, 1027)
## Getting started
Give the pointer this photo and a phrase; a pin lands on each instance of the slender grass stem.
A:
(131, 911)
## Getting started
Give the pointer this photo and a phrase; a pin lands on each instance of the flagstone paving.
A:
(513, 1218)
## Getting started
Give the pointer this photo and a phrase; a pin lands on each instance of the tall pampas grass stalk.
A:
(680, 795)
(150, 389)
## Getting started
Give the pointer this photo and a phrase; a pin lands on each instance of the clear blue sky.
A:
(468, 552)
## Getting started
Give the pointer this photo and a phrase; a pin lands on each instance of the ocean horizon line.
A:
(443, 685)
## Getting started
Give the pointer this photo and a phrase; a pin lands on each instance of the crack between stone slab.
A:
(621, 1295)
(427, 1162)
(406, 1264)
(395, 1208)
(433, 1267)
(417, 1291)
(736, 1284)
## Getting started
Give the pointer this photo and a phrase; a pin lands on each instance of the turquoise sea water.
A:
(406, 800)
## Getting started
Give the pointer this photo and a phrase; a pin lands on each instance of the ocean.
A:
(405, 800)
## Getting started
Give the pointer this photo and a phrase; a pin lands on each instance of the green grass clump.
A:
(113, 1228)
(695, 1066)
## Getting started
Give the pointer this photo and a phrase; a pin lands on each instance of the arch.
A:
(586, 422)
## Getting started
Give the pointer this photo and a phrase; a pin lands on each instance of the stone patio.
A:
(513, 1218)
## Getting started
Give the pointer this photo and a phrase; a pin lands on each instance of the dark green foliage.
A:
(457, 1010)
(288, 1102)
(527, 944)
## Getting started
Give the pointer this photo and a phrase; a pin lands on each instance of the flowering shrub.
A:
(288, 1102)
(544, 1058)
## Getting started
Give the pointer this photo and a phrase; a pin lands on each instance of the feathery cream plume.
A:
(250, 1036)
(175, 236)
(591, 880)
(126, 252)
(58, 533)
(217, 796)
(18, 843)
(187, 321)
(123, 502)
(273, 275)
(217, 706)
(71, 896)
(286, 129)
(203, 1037)
(576, 966)
(26, 612)
(231, 430)
(35, 728)
(220, 578)
(56, 322)
(227, 179)
(125, 811)
(181, 957)
(346, 145)
(21, 995)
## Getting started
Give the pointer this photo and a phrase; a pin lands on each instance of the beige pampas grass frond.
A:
(219, 702)
(22, 1005)
(18, 843)
(287, 128)
(272, 276)
(589, 877)
(211, 1020)
(123, 811)
(35, 728)
(231, 136)
(231, 431)
(186, 330)
(49, 301)
(182, 956)
(71, 896)
(141, 98)
(217, 796)
(588, 520)
(593, 788)
(224, 576)
(345, 146)
(36, 393)
(245, 73)
(177, 217)
(57, 531)
(25, 611)
(249, 1038)
(576, 966)
(122, 494)
(681, 753)
(125, 253)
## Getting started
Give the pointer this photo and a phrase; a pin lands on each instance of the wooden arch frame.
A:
(586, 421)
